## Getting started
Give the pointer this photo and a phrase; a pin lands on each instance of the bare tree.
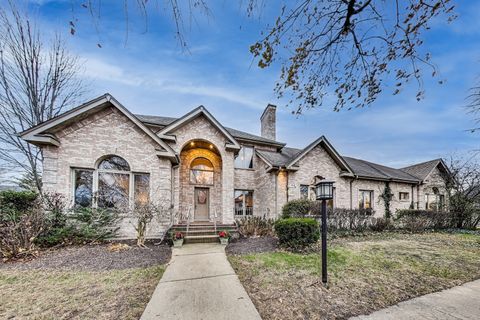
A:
(464, 191)
(346, 50)
(349, 48)
(474, 105)
(144, 214)
(38, 81)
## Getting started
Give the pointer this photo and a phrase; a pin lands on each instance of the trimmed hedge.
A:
(297, 232)
(419, 220)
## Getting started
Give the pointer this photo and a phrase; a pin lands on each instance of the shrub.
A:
(381, 224)
(84, 225)
(465, 210)
(419, 220)
(20, 229)
(297, 232)
(297, 208)
(16, 202)
(350, 219)
(255, 227)
(54, 204)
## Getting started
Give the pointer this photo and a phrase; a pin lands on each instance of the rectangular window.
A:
(243, 203)
(403, 196)
(113, 189)
(365, 199)
(304, 191)
(434, 201)
(331, 202)
(441, 202)
(141, 187)
(244, 159)
(83, 192)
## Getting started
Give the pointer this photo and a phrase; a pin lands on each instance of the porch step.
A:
(201, 239)
(202, 231)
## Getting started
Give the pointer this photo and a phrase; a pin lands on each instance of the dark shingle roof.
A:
(279, 159)
(360, 168)
(165, 121)
(373, 170)
(421, 170)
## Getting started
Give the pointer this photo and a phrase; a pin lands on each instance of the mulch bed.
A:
(96, 257)
(252, 245)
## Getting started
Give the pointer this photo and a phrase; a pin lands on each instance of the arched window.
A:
(201, 171)
(114, 163)
(115, 185)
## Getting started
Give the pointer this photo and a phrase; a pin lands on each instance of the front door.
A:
(202, 199)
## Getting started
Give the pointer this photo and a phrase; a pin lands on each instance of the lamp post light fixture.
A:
(324, 192)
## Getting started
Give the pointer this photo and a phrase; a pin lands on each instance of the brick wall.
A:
(106, 132)
(201, 129)
(319, 162)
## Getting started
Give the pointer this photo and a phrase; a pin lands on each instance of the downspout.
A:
(418, 196)
(172, 186)
(412, 202)
(276, 194)
(287, 174)
(351, 193)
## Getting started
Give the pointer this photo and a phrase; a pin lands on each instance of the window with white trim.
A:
(83, 187)
(201, 171)
(365, 199)
(304, 191)
(113, 183)
(244, 159)
(243, 202)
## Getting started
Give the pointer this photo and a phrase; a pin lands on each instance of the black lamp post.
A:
(324, 192)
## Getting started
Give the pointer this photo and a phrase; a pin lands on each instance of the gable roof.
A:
(39, 134)
(195, 113)
(237, 134)
(279, 159)
(328, 147)
(370, 170)
(288, 157)
(422, 170)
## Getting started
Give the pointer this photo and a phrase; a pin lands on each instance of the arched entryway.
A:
(201, 180)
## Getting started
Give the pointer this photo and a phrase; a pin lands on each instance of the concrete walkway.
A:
(462, 302)
(199, 283)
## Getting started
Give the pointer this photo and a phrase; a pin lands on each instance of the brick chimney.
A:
(268, 121)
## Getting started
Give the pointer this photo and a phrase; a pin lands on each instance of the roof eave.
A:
(192, 115)
(38, 134)
(388, 179)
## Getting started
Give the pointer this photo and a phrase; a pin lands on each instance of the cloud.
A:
(173, 80)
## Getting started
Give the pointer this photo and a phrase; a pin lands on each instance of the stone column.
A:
(227, 187)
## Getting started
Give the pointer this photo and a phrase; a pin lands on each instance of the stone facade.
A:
(434, 185)
(318, 163)
(108, 131)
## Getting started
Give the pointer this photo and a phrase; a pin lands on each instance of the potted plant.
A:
(177, 239)
(223, 235)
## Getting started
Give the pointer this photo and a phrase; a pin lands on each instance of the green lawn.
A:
(365, 274)
(54, 294)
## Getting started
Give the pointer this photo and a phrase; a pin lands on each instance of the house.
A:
(101, 154)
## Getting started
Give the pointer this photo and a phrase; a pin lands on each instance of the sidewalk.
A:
(199, 283)
(462, 302)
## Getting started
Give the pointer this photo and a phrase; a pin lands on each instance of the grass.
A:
(365, 274)
(55, 294)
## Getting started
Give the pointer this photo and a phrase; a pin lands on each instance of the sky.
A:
(149, 73)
